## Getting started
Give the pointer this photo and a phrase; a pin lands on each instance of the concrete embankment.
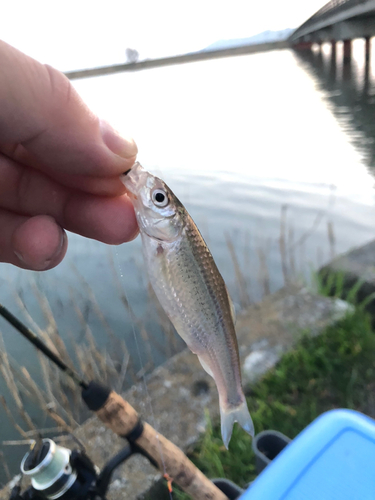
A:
(181, 59)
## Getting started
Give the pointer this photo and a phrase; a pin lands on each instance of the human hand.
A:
(59, 167)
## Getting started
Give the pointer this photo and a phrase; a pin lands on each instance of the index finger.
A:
(43, 114)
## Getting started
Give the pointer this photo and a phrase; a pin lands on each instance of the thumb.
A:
(42, 112)
(36, 243)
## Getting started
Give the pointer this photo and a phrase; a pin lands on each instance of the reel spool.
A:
(57, 472)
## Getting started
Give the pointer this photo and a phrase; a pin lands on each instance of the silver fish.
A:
(190, 289)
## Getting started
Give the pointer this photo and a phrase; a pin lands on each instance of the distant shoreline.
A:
(181, 59)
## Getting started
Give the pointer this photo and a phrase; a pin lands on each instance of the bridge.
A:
(338, 20)
(180, 59)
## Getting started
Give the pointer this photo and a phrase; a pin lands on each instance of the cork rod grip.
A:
(121, 418)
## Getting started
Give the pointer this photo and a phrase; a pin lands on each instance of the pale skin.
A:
(59, 167)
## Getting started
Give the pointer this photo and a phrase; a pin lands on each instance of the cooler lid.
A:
(333, 458)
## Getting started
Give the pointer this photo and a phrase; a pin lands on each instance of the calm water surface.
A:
(240, 141)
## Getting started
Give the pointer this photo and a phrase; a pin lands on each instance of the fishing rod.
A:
(37, 342)
(119, 416)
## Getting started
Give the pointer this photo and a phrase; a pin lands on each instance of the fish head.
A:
(159, 213)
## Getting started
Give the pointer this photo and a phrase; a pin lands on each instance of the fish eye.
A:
(160, 198)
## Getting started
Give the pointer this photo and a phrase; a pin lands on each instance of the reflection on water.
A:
(245, 143)
(350, 91)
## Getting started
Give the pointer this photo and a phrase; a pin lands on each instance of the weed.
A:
(332, 370)
(338, 283)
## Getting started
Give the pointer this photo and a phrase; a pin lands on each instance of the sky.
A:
(73, 34)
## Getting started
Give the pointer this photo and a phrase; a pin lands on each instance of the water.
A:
(237, 140)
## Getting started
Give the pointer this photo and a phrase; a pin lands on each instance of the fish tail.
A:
(239, 414)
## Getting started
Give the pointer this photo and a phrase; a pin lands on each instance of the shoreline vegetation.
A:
(57, 396)
(334, 369)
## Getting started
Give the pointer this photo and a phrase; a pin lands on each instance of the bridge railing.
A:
(332, 7)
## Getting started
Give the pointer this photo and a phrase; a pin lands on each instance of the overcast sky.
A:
(73, 34)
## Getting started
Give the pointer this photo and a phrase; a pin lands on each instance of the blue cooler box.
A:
(333, 458)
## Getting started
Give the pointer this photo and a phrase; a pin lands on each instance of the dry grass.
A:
(58, 397)
(254, 273)
(59, 392)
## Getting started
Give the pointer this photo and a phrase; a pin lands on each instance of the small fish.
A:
(190, 289)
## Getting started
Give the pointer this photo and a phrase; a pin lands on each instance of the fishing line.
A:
(148, 397)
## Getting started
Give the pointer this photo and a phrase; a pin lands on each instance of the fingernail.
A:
(59, 248)
(57, 252)
(19, 256)
(121, 146)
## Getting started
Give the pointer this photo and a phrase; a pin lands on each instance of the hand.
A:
(59, 167)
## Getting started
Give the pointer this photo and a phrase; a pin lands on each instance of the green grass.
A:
(333, 370)
(344, 286)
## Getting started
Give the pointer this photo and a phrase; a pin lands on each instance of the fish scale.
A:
(190, 289)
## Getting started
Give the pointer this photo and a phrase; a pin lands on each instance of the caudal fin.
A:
(228, 417)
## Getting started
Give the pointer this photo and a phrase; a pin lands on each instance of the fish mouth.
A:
(134, 178)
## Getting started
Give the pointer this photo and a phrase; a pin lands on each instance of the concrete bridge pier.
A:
(347, 60)
(367, 48)
(303, 45)
(366, 79)
(347, 50)
(332, 67)
(320, 52)
(333, 49)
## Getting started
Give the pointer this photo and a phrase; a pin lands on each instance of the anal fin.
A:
(205, 366)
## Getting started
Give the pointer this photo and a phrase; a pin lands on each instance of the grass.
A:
(345, 286)
(333, 370)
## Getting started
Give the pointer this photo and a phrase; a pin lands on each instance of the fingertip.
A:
(134, 235)
(109, 220)
(39, 243)
(118, 219)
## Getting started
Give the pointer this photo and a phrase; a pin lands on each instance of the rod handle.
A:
(121, 418)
